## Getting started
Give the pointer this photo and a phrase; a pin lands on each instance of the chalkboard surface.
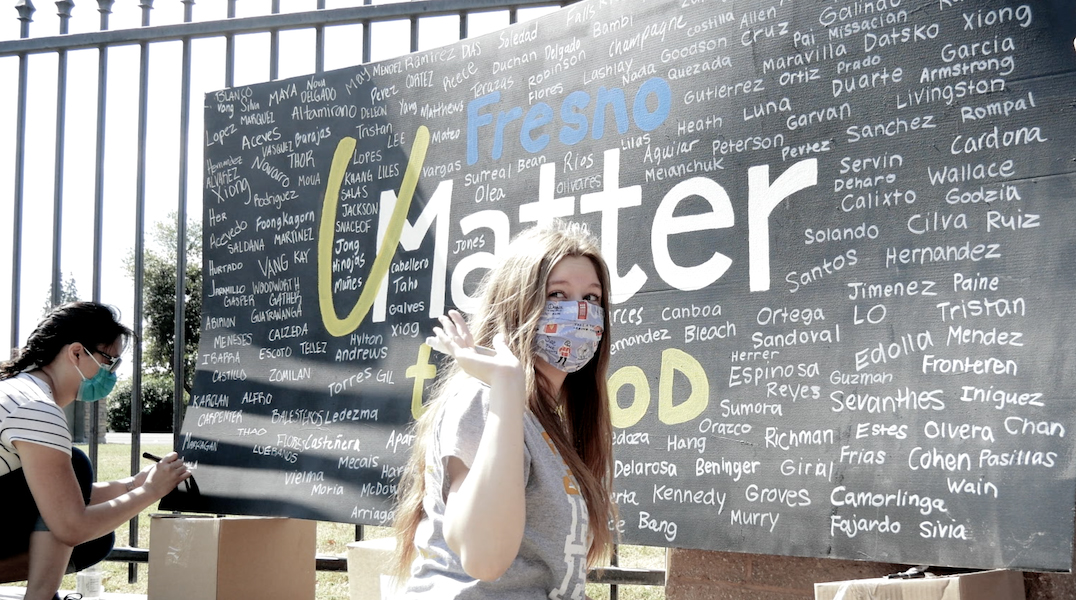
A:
(841, 237)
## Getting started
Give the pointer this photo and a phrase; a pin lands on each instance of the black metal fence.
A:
(133, 64)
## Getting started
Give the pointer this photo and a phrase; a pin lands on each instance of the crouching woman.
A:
(56, 520)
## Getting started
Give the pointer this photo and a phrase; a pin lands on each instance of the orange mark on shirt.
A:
(570, 486)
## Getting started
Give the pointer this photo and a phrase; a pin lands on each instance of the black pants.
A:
(20, 518)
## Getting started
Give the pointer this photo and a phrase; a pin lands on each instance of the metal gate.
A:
(129, 90)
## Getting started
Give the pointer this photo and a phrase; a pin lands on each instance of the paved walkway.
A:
(113, 437)
(16, 593)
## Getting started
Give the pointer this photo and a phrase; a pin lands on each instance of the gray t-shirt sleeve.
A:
(461, 425)
(460, 428)
(552, 557)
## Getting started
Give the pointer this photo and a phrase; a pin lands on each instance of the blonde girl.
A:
(508, 491)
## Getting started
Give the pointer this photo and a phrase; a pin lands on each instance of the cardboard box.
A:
(368, 565)
(224, 558)
(984, 585)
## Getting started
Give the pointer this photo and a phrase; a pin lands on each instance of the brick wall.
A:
(699, 575)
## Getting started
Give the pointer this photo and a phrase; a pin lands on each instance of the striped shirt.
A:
(28, 414)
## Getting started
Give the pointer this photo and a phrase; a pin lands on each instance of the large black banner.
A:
(842, 245)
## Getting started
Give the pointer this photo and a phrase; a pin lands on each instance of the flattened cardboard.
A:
(984, 585)
(212, 558)
(368, 564)
(182, 557)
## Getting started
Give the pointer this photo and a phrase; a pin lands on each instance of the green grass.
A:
(634, 557)
(114, 462)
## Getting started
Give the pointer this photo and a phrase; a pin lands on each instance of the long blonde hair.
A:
(578, 421)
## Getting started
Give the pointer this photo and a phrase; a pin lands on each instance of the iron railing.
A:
(145, 37)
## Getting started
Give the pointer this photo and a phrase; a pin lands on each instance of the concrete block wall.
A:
(84, 413)
(702, 575)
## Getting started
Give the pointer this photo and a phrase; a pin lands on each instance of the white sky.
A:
(343, 47)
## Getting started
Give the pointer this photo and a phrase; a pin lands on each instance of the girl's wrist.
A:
(508, 377)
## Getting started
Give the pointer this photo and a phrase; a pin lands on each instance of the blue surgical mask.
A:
(96, 387)
(569, 333)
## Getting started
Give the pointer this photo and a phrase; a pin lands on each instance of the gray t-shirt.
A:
(552, 558)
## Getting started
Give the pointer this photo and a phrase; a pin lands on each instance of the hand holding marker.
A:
(188, 483)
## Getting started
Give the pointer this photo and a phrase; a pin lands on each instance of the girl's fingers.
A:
(459, 322)
(460, 326)
(446, 324)
(452, 336)
(451, 331)
(449, 339)
(440, 341)
(434, 342)
(456, 330)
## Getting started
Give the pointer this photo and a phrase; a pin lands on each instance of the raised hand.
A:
(454, 338)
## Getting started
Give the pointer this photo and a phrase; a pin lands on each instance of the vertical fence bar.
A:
(614, 561)
(319, 43)
(367, 52)
(229, 51)
(26, 11)
(414, 33)
(179, 351)
(367, 44)
(274, 46)
(63, 8)
(139, 266)
(104, 7)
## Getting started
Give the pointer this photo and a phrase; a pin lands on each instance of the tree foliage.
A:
(160, 264)
(157, 394)
(68, 293)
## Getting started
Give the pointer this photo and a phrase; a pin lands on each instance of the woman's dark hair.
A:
(91, 324)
